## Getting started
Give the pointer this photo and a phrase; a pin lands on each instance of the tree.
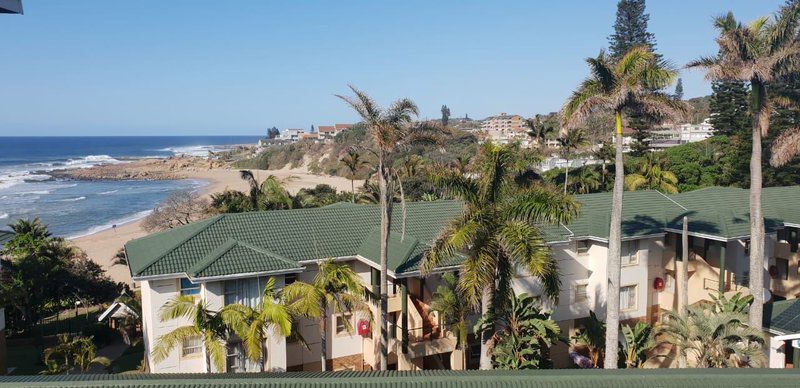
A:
(539, 128)
(392, 130)
(445, 115)
(632, 83)
(640, 145)
(593, 336)
(637, 342)
(120, 258)
(630, 29)
(254, 325)
(652, 175)
(497, 232)
(709, 339)
(336, 289)
(180, 208)
(267, 195)
(212, 328)
(757, 53)
(604, 153)
(787, 120)
(353, 162)
(526, 336)
(452, 308)
(273, 133)
(729, 108)
(570, 142)
(679, 89)
(588, 180)
(70, 353)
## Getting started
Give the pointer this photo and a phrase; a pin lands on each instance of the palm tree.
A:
(587, 180)
(336, 287)
(120, 258)
(212, 328)
(652, 175)
(452, 308)
(538, 129)
(635, 82)
(353, 162)
(571, 141)
(35, 228)
(391, 130)
(526, 336)
(593, 337)
(255, 325)
(637, 342)
(711, 339)
(497, 232)
(605, 153)
(757, 53)
(267, 195)
(78, 352)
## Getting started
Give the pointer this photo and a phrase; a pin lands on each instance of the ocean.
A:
(74, 208)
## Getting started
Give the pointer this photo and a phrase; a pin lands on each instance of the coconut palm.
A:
(353, 162)
(538, 129)
(212, 328)
(120, 258)
(651, 174)
(391, 130)
(254, 325)
(267, 195)
(336, 289)
(634, 83)
(570, 142)
(757, 53)
(452, 308)
(526, 336)
(637, 342)
(497, 232)
(711, 339)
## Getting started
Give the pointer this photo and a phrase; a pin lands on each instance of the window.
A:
(581, 293)
(189, 288)
(343, 322)
(238, 362)
(630, 253)
(192, 345)
(627, 298)
(582, 247)
(289, 278)
(783, 235)
(783, 268)
(244, 291)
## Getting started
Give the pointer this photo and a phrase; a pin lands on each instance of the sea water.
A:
(73, 208)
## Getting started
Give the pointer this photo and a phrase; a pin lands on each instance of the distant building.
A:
(309, 137)
(291, 135)
(504, 128)
(328, 132)
(676, 134)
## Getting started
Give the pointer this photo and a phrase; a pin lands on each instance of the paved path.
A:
(112, 352)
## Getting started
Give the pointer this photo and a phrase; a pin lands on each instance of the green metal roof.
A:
(577, 378)
(782, 316)
(285, 237)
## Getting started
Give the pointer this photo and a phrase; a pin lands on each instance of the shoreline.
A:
(101, 246)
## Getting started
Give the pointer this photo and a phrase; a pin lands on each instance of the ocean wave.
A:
(72, 199)
(108, 192)
(3, 216)
(35, 192)
(111, 224)
(91, 161)
(196, 150)
(35, 172)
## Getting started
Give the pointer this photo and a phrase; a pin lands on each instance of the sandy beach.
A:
(102, 246)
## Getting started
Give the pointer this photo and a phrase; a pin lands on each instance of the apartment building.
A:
(328, 132)
(227, 259)
(504, 128)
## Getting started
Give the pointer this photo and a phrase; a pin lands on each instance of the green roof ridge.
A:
(211, 221)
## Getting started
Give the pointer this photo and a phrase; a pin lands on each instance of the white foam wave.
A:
(196, 150)
(107, 192)
(3, 216)
(109, 225)
(72, 199)
(15, 175)
(36, 192)
(91, 161)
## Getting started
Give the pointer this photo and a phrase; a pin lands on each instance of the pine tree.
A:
(630, 28)
(679, 89)
(641, 142)
(729, 108)
(445, 115)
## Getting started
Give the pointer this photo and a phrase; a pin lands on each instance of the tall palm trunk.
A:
(566, 175)
(323, 337)
(384, 182)
(614, 245)
(486, 335)
(353, 189)
(756, 284)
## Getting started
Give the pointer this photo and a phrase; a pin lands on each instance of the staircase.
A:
(430, 328)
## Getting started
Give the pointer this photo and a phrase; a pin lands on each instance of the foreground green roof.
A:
(782, 317)
(577, 378)
(276, 241)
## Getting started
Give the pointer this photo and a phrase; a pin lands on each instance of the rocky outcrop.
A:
(144, 169)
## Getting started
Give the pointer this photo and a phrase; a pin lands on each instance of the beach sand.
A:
(102, 246)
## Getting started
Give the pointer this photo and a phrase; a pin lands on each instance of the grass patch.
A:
(130, 360)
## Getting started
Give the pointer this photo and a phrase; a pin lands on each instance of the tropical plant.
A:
(651, 174)
(336, 289)
(497, 232)
(525, 336)
(737, 303)
(353, 162)
(452, 308)
(72, 353)
(267, 195)
(254, 325)
(604, 153)
(757, 53)
(392, 130)
(710, 339)
(588, 180)
(637, 341)
(634, 83)
(539, 129)
(120, 258)
(570, 142)
(593, 336)
(212, 328)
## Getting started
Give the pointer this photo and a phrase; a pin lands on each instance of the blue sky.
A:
(186, 67)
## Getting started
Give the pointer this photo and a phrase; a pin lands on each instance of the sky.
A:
(192, 67)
